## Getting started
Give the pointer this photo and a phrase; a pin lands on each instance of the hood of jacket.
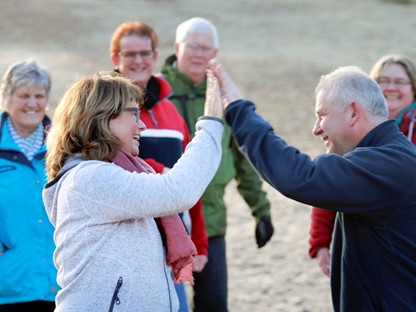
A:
(51, 189)
(157, 89)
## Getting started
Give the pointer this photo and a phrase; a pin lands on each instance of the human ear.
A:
(176, 48)
(155, 55)
(354, 113)
(115, 59)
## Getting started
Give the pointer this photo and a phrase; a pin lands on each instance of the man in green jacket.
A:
(195, 44)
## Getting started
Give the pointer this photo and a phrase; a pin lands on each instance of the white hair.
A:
(347, 84)
(196, 25)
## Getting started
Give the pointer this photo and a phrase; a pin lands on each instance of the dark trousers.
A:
(210, 286)
(44, 306)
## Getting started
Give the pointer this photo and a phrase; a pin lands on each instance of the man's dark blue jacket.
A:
(373, 188)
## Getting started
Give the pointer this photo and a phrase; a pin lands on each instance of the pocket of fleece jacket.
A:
(106, 278)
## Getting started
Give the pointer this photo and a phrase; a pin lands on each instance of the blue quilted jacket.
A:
(27, 272)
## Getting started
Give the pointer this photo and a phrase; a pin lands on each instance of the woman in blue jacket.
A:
(27, 274)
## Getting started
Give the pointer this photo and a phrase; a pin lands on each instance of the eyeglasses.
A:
(194, 47)
(383, 81)
(131, 55)
(134, 110)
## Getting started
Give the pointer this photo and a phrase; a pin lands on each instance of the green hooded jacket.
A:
(190, 100)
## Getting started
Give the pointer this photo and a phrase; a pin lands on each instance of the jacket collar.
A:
(170, 69)
(46, 121)
(381, 134)
(157, 90)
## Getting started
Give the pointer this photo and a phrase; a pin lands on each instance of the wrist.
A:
(211, 118)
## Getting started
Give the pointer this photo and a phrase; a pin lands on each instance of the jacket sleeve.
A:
(199, 234)
(249, 184)
(330, 181)
(322, 226)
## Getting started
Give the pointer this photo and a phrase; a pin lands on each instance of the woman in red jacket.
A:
(133, 51)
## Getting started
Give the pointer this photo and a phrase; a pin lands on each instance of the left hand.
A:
(264, 231)
(324, 260)
(199, 262)
(213, 105)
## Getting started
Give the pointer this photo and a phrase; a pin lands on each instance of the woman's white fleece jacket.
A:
(105, 233)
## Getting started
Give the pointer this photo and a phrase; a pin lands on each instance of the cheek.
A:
(323, 124)
(42, 104)
(133, 127)
(185, 56)
(410, 94)
(15, 103)
(122, 65)
(150, 66)
(15, 107)
(112, 126)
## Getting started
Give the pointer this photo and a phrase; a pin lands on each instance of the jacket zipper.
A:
(115, 298)
(167, 281)
(411, 125)
(152, 116)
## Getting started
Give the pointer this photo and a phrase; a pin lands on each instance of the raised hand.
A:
(229, 90)
(213, 105)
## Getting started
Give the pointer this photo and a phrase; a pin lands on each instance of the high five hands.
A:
(229, 91)
(221, 90)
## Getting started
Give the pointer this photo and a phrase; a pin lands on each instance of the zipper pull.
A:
(115, 298)
(118, 286)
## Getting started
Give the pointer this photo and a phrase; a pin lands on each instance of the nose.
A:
(31, 102)
(138, 57)
(391, 85)
(199, 51)
(316, 130)
(141, 126)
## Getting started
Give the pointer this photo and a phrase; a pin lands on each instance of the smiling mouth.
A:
(390, 97)
(137, 69)
(136, 137)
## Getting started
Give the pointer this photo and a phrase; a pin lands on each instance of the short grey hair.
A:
(196, 25)
(29, 72)
(349, 84)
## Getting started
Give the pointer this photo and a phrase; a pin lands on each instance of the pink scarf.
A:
(179, 247)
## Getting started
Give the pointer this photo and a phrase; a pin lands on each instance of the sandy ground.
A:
(276, 50)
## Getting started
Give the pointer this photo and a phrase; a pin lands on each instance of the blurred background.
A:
(276, 50)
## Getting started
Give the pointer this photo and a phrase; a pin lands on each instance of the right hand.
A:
(213, 106)
(229, 90)
(324, 260)
(264, 231)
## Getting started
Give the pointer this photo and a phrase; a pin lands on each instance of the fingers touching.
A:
(229, 91)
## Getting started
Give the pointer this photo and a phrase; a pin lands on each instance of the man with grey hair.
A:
(195, 44)
(367, 176)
